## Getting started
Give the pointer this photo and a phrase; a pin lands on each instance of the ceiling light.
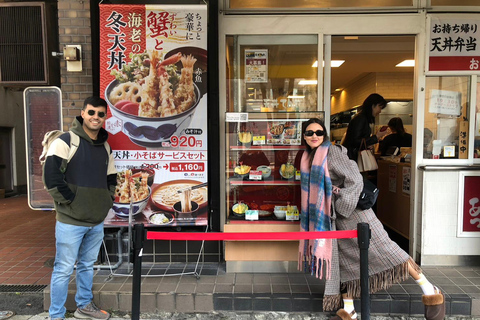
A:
(406, 63)
(307, 82)
(338, 89)
(333, 63)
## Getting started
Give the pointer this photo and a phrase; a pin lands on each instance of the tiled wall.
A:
(392, 86)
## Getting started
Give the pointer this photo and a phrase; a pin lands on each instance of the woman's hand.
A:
(381, 134)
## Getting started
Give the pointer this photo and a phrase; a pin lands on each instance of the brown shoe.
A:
(343, 315)
(434, 306)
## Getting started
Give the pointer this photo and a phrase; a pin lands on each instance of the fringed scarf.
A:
(315, 256)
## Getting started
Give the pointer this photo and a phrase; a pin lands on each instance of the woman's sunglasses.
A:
(310, 133)
(101, 114)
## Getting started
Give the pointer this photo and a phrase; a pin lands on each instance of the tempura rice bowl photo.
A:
(154, 97)
(122, 209)
(151, 130)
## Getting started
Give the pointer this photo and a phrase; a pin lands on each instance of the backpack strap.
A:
(74, 143)
(107, 147)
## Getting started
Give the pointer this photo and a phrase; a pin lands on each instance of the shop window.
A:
(446, 118)
(272, 73)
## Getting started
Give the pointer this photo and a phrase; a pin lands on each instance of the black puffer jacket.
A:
(358, 129)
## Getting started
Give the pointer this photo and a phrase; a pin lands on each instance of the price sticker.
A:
(292, 214)
(255, 175)
(251, 215)
(258, 140)
(298, 175)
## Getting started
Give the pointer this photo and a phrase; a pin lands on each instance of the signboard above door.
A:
(454, 44)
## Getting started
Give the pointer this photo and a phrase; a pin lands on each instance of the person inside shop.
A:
(360, 127)
(83, 190)
(397, 136)
(427, 143)
(328, 175)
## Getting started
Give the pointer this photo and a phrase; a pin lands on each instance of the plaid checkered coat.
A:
(387, 262)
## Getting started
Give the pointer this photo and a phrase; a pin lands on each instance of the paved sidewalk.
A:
(238, 316)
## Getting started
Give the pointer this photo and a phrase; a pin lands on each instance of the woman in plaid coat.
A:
(329, 178)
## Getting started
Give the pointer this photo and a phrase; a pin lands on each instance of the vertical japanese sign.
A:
(153, 69)
(454, 44)
(470, 224)
(256, 65)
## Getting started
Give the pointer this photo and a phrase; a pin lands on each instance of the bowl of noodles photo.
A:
(154, 98)
(133, 189)
(166, 195)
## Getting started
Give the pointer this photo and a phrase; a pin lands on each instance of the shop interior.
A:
(373, 64)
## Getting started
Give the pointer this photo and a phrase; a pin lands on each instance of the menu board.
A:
(153, 62)
(284, 133)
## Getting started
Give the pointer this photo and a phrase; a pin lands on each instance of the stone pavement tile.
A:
(166, 302)
(203, 302)
(243, 288)
(167, 287)
(125, 301)
(108, 300)
(224, 288)
(205, 288)
(148, 302)
(262, 278)
(475, 307)
(243, 278)
(262, 288)
(279, 279)
(184, 303)
(188, 288)
(226, 278)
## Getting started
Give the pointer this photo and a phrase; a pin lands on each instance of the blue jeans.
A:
(73, 243)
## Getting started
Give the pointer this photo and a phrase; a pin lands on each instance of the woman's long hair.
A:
(396, 124)
(371, 101)
(326, 138)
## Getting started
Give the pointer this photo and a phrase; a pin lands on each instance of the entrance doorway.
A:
(370, 64)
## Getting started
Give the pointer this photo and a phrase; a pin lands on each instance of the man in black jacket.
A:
(83, 189)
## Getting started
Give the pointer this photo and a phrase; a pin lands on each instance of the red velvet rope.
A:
(250, 236)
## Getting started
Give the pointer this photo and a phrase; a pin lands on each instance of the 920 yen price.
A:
(187, 166)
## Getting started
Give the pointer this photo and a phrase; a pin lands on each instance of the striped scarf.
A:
(316, 212)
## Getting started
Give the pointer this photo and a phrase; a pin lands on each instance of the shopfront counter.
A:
(393, 204)
(261, 256)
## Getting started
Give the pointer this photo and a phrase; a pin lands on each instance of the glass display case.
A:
(263, 165)
(271, 90)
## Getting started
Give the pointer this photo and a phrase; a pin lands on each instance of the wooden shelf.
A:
(267, 147)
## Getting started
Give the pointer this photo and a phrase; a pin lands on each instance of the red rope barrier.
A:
(250, 236)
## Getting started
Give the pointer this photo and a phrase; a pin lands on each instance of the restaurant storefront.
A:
(263, 82)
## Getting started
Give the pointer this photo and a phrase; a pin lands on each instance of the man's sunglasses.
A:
(101, 114)
(310, 133)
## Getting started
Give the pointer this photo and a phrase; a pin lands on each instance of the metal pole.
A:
(363, 243)
(139, 234)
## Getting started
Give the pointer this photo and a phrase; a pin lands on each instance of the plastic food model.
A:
(287, 170)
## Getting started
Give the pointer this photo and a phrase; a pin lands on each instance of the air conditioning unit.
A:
(29, 33)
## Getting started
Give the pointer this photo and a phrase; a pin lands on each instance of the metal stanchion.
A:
(363, 243)
(139, 237)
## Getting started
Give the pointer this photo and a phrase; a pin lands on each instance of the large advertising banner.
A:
(153, 69)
